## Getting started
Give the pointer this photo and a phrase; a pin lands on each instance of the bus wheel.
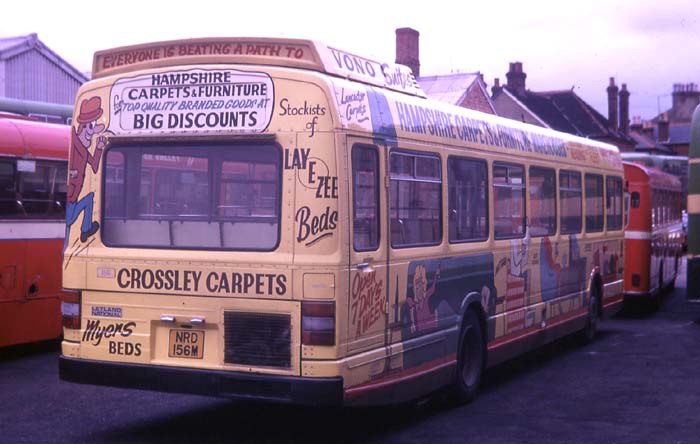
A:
(587, 335)
(471, 359)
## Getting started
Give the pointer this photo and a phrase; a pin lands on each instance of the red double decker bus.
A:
(654, 236)
(33, 167)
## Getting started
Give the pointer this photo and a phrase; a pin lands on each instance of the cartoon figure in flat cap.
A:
(80, 157)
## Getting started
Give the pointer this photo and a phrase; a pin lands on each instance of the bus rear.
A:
(206, 240)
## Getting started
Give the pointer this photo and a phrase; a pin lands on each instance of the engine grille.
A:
(260, 339)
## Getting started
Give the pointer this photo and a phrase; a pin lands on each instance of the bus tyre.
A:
(471, 359)
(587, 335)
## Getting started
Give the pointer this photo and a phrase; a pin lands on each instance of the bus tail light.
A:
(70, 309)
(318, 323)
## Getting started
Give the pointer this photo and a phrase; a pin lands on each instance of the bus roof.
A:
(295, 53)
(30, 139)
(656, 177)
(651, 157)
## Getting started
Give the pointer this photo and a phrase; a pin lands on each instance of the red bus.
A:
(654, 236)
(33, 169)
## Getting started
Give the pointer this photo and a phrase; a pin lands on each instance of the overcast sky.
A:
(649, 45)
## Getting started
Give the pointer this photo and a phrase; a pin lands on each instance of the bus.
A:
(693, 224)
(281, 220)
(654, 235)
(33, 171)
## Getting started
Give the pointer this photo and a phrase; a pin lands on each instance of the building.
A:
(671, 128)
(564, 110)
(35, 80)
(467, 90)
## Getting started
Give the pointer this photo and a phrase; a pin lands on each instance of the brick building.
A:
(564, 110)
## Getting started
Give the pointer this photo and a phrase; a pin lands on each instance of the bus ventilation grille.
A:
(261, 339)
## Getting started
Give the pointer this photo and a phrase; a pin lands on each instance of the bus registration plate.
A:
(186, 344)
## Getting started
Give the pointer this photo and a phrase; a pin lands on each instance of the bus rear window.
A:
(207, 197)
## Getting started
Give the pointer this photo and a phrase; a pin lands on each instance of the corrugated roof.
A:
(13, 46)
(11, 42)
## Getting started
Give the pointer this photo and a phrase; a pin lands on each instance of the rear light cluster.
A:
(318, 323)
(70, 309)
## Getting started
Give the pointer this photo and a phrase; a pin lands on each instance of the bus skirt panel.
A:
(235, 385)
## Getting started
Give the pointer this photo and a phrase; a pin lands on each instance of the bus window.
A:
(9, 204)
(570, 201)
(416, 200)
(594, 203)
(33, 189)
(365, 176)
(169, 198)
(508, 201)
(614, 202)
(543, 207)
(635, 199)
(468, 199)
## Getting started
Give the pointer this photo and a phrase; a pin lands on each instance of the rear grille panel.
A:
(259, 339)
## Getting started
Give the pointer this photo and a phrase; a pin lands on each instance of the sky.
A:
(648, 45)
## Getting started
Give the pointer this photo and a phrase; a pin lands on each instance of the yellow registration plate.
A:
(185, 343)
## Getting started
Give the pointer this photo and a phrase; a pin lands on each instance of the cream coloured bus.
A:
(281, 220)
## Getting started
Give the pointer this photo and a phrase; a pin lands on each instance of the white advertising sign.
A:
(192, 101)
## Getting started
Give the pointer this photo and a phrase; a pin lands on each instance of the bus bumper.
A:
(269, 388)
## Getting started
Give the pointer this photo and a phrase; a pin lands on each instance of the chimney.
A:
(612, 105)
(648, 129)
(496, 88)
(515, 78)
(624, 110)
(663, 128)
(636, 124)
(407, 49)
(685, 97)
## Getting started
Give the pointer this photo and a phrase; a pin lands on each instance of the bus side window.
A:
(614, 199)
(570, 201)
(594, 203)
(508, 201)
(9, 206)
(635, 199)
(365, 182)
(468, 199)
(415, 199)
(543, 208)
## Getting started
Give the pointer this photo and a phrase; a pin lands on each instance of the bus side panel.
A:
(43, 269)
(30, 289)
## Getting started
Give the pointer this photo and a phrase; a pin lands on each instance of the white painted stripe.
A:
(32, 230)
(638, 235)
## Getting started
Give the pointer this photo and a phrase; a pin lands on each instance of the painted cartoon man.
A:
(80, 157)
(422, 318)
